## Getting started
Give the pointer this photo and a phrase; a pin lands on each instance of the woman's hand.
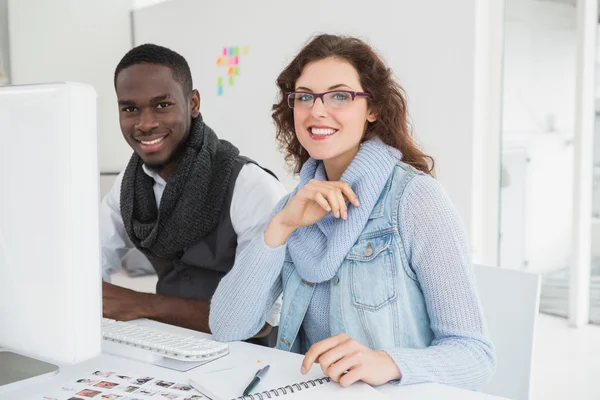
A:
(346, 361)
(313, 202)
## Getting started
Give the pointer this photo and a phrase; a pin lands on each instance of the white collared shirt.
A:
(255, 195)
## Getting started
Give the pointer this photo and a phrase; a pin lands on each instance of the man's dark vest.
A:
(197, 273)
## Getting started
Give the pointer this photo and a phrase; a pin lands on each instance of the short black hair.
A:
(154, 54)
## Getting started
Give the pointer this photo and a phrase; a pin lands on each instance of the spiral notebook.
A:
(283, 380)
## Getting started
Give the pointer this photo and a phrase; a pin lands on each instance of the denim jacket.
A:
(375, 295)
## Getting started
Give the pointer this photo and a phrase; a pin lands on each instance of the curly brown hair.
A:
(388, 100)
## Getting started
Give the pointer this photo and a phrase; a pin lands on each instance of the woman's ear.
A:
(371, 116)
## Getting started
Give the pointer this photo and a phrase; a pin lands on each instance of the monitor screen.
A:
(50, 285)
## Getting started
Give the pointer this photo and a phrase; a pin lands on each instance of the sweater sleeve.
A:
(247, 293)
(435, 241)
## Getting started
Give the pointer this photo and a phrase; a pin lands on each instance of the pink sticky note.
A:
(224, 51)
(236, 60)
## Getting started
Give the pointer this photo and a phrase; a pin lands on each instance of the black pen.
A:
(257, 377)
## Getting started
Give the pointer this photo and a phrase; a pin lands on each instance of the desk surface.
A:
(240, 352)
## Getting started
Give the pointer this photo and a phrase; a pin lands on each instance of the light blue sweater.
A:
(436, 245)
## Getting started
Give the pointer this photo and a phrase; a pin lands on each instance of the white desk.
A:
(240, 352)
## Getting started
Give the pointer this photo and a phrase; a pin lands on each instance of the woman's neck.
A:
(335, 167)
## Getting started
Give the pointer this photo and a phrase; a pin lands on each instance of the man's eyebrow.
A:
(155, 99)
(162, 97)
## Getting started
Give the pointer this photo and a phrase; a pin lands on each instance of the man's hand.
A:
(346, 361)
(123, 304)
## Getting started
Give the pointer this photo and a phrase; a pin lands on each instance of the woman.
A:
(370, 254)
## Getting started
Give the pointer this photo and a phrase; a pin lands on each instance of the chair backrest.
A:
(510, 301)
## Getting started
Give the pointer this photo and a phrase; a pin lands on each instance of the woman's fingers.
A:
(344, 187)
(320, 200)
(332, 198)
(348, 192)
(334, 194)
(342, 202)
(338, 369)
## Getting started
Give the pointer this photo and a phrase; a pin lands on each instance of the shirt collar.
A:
(154, 175)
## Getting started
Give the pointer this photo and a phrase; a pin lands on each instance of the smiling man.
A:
(186, 200)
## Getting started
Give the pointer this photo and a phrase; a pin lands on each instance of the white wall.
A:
(538, 117)
(489, 49)
(146, 3)
(75, 40)
(4, 46)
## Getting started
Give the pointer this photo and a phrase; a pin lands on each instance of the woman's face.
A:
(333, 129)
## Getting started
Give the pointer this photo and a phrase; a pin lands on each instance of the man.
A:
(187, 200)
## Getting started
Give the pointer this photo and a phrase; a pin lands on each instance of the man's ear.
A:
(195, 103)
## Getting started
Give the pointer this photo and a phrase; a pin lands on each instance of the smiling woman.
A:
(370, 254)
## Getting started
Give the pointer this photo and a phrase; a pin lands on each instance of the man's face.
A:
(154, 112)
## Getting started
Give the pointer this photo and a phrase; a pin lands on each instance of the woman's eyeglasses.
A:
(332, 99)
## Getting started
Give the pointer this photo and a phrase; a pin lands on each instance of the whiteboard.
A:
(429, 44)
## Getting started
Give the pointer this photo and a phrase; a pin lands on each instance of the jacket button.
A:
(369, 250)
(336, 280)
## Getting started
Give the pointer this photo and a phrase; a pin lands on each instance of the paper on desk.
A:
(109, 385)
(230, 383)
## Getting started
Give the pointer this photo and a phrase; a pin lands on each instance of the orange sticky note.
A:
(230, 71)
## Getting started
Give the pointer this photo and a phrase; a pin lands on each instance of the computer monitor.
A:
(50, 280)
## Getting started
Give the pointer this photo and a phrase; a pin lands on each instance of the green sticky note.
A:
(220, 81)
(237, 71)
(231, 81)
(236, 50)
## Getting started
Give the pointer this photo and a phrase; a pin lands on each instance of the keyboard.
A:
(175, 346)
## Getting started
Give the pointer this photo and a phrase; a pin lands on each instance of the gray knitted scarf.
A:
(190, 207)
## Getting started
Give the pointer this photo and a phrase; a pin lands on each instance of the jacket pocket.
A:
(373, 272)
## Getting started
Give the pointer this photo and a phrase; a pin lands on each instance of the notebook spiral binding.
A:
(282, 391)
